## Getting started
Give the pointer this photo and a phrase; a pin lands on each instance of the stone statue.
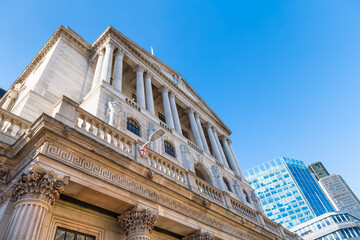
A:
(112, 113)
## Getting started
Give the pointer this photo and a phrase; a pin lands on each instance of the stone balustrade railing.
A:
(167, 168)
(191, 144)
(11, 126)
(132, 103)
(244, 210)
(166, 127)
(105, 132)
(209, 191)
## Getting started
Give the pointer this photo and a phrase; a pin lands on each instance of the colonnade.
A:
(222, 151)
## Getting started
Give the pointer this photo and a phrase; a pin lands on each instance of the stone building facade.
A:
(71, 127)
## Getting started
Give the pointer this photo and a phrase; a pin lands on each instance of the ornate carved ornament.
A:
(39, 183)
(200, 235)
(138, 220)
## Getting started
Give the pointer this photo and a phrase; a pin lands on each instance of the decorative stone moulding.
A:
(39, 183)
(200, 235)
(138, 223)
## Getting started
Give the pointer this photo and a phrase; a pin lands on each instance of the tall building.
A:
(105, 141)
(2, 92)
(341, 195)
(336, 189)
(288, 193)
(334, 226)
(318, 170)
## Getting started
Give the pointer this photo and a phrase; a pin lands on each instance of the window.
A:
(169, 149)
(184, 133)
(162, 117)
(246, 196)
(133, 97)
(227, 184)
(133, 127)
(65, 234)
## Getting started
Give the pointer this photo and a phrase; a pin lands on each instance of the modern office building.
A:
(2, 92)
(318, 170)
(104, 141)
(288, 193)
(330, 226)
(340, 194)
(336, 189)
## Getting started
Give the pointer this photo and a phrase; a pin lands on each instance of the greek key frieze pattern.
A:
(117, 179)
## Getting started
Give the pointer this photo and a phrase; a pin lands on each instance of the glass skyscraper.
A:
(288, 193)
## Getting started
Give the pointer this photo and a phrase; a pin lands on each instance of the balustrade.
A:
(209, 191)
(105, 132)
(191, 144)
(11, 125)
(243, 210)
(132, 104)
(166, 167)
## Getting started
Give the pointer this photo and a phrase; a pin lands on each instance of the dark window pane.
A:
(70, 236)
(133, 127)
(60, 234)
(169, 149)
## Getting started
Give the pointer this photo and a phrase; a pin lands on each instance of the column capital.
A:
(139, 68)
(109, 44)
(190, 110)
(224, 138)
(120, 52)
(149, 74)
(39, 183)
(199, 235)
(164, 89)
(138, 221)
(208, 125)
(172, 94)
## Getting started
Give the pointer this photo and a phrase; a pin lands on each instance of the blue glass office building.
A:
(288, 193)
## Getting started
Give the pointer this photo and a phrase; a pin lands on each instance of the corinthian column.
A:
(229, 155)
(98, 70)
(175, 113)
(34, 193)
(149, 93)
(118, 69)
(138, 223)
(167, 109)
(225, 162)
(202, 135)
(194, 128)
(140, 91)
(235, 158)
(106, 68)
(213, 143)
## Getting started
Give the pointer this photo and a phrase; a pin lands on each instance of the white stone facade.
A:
(79, 113)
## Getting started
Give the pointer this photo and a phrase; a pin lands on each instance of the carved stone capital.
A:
(139, 69)
(138, 221)
(39, 183)
(164, 89)
(119, 53)
(199, 235)
(190, 110)
(149, 75)
(172, 94)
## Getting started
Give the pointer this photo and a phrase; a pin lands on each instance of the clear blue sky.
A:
(283, 75)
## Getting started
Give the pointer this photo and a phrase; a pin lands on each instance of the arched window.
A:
(133, 127)
(227, 184)
(246, 196)
(169, 149)
(201, 172)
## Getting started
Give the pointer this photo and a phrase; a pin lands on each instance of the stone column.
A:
(34, 193)
(235, 158)
(213, 143)
(106, 68)
(149, 94)
(140, 91)
(229, 155)
(202, 135)
(138, 223)
(118, 69)
(98, 69)
(199, 235)
(167, 108)
(225, 162)
(194, 128)
(175, 113)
